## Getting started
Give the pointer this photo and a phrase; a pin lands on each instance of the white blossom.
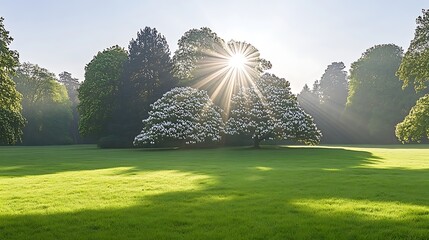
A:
(183, 115)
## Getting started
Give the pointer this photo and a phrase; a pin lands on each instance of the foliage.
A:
(147, 76)
(98, 94)
(326, 102)
(415, 126)
(414, 70)
(72, 85)
(376, 101)
(270, 111)
(193, 47)
(308, 100)
(183, 116)
(11, 120)
(338, 192)
(46, 106)
(333, 86)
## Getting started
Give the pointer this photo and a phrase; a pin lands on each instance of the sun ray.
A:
(226, 69)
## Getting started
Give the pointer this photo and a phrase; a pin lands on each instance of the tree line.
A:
(382, 99)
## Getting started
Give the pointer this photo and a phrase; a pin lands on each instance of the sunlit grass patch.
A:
(373, 210)
(92, 189)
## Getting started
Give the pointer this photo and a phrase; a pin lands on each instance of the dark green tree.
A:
(307, 99)
(326, 102)
(414, 71)
(147, 76)
(334, 87)
(331, 90)
(46, 106)
(99, 94)
(72, 85)
(414, 68)
(415, 125)
(11, 120)
(310, 102)
(376, 101)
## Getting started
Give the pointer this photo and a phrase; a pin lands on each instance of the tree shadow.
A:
(27, 161)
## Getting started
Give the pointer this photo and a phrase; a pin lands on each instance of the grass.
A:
(81, 192)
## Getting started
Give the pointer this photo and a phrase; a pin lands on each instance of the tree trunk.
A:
(256, 142)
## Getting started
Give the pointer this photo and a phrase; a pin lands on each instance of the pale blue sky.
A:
(300, 38)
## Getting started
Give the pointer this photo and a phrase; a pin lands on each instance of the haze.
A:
(300, 38)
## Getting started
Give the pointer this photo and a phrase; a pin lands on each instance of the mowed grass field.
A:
(81, 192)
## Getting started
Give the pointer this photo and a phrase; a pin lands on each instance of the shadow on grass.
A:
(282, 193)
(27, 161)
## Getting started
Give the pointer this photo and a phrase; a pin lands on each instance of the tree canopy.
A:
(376, 101)
(147, 76)
(11, 120)
(333, 86)
(194, 46)
(46, 106)
(98, 94)
(415, 126)
(72, 85)
(414, 68)
(414, 71)
(326, 102)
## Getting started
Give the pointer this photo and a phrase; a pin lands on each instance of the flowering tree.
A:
(183, 115)
(268, 110)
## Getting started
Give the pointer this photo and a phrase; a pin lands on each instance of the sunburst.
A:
(226, 69)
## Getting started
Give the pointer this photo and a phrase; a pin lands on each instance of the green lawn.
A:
(81, 192)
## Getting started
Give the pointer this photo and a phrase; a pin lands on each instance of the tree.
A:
(46, 106)
(194, 46)
(11, 120)
(147, 76)
(414, 71)
(72, 85)
(414, 68)
(270, 111)
(310, 103)
(183, 116)
(99, 93)
(376, 101)
(326, 102)
(333, 86)
(415, 126)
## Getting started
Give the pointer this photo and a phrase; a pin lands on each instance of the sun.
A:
(237, 61)
(225, 70)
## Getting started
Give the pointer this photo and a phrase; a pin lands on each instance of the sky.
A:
(300, 38)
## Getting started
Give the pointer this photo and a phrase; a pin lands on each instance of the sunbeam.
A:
(226, 69)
